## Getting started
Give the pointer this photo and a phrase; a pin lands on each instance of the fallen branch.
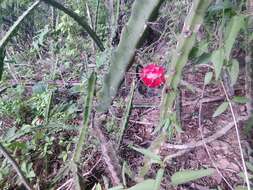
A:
(209, 139)
(108, 152)
(205, 145)
(203, 101)
(67, 184)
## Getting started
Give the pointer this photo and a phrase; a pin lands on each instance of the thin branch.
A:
(189, 85)
(203, 101)
(177, 154)
(238, 136)
(16, 167)
(93, 167)
(202, 137)
(67, 184)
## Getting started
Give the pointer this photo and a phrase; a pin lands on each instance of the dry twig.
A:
(202, 137)
(238, 136)
(67, 184)
(218, 134)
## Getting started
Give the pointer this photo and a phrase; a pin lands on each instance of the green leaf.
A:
(240, 187)
(200, 49)
(144, 185)
(39, 88)
(220, 6)
(98, 187)
(248, 126)
(208, 78)
(86, 117)
(240, 99)
(241, 174)
(124, 123)
(222, 108)
(249, 166)
(120, 187)
(234, 71)
(217, 59)
(126, 170)
(158, 180)
(155, 158)
(48, 107)
(18, 145)
(190, 175)
(205, 58)
(232, 30)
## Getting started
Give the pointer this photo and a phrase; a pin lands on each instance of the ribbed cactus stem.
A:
(131, 36)
(186, 41)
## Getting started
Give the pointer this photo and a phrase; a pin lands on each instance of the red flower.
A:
(153, 75)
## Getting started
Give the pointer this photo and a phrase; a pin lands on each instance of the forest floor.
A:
(222, 151)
